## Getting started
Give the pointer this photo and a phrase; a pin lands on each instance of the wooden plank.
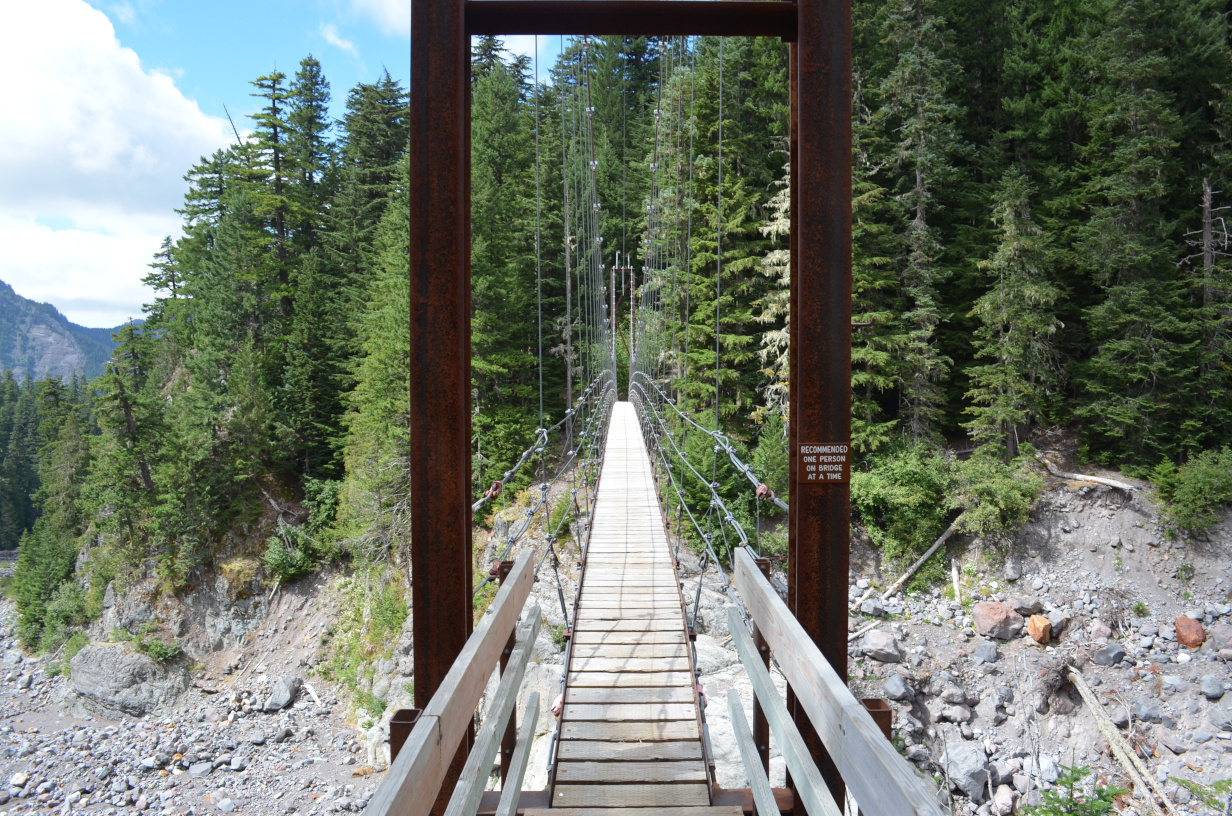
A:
(632, 613)
(413, 781)
(810, 787)
(631, 601)
(636, 796)
(721, 810)
(660, 679)
(630, 712)
(511, 791)
(759, 783)
(469, 790)
(632, 751)
(881, 780)
(591, 638)
(669, 694)
(630, 650)
(584, 625)
(629, 664)
(666, 731)
(630, 771)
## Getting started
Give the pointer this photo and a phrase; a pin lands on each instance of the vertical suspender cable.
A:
(539, 257)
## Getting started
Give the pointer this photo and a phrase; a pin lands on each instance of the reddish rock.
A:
(1040, 629)
(995, 619)
(1189, 632)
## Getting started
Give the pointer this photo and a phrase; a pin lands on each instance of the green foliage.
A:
(370, 702)
(1196, 490)
(372, 609)
(561, 516)
(771, 461)
(297, 551)
(1066, 798)
(1140, 609)
(996, 496)
(45, 561)
(75, 644)
(905, 502)
(912, 493)
(157, 648)
(1185, 572)
(558, 636)
(1215, 795)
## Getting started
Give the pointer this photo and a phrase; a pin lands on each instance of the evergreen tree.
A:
(917, 108)
(1139, 377)
(1017, 324)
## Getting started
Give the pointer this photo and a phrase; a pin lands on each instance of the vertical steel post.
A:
(440, 449)
(821, 340)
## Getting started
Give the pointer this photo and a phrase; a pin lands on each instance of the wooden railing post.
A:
(510, 740)
(761, 727)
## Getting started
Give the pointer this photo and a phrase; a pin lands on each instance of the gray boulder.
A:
(283, 694)
(881, 646)
(1026, 606)
(986, 652)
(1148, 711)
(897, 688)
(1211, 687)
(110, 680)
(1110, 655)
(967, 766)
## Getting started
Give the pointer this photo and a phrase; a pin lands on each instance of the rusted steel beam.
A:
(821, 341)
(440, 336)
(730, 18)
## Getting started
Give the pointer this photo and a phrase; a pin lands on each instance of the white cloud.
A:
(98, 141)
(330, 33)
(393, 15)
(93, 278)
(124, 12)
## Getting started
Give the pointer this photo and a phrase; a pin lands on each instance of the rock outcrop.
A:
(111, 679)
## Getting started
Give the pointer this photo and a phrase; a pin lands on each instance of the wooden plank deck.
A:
(629, 735)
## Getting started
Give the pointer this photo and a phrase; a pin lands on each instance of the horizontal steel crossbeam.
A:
(713, 18)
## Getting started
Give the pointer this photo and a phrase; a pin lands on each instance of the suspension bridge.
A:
(630, 733)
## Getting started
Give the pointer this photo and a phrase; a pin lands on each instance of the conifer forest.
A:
(1041, 197)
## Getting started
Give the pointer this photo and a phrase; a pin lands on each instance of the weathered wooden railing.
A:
(414, 780)
(882, 781)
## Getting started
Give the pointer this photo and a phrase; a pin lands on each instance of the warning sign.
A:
(823, 462)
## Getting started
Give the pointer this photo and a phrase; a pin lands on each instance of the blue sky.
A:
(118, 99)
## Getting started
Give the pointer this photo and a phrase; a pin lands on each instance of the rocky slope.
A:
(982, 707)
(36, 340)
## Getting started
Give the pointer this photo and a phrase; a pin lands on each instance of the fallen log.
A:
(1081, 477)
(953, 528)
(1133, 766)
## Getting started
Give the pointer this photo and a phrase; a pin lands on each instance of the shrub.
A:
(904, 502)
(44, 562)
(157, 649)
(1066, 798)
(1197, 490)
(74, 645)
(284, 562)
(771, 461)
(296, 551)
(65, 610)
(562, 514)
(370, 702)
(911, 493)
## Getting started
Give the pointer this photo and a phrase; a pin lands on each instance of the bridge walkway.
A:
(631, 727)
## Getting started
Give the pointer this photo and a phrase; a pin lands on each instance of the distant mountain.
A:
(36, 339)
